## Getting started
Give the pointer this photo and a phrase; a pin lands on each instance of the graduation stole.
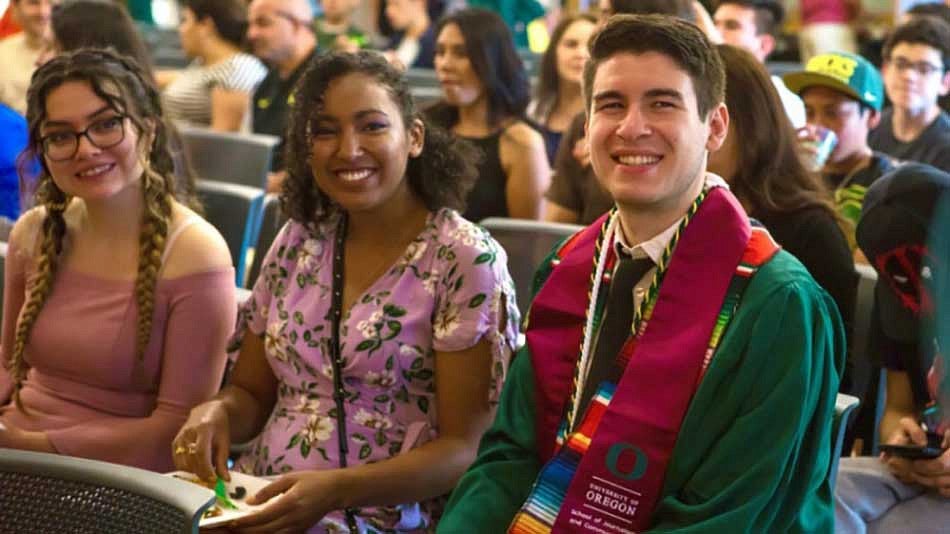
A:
(608, 477)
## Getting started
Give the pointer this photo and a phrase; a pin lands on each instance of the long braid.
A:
(155, 219)
(157, 193)
(54, 231)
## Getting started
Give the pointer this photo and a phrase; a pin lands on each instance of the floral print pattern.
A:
(444, 293)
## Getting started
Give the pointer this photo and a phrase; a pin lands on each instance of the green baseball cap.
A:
(849, 73)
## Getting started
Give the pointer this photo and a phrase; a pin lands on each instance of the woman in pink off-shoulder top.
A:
(118, 299)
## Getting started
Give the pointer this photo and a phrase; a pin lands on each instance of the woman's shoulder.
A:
(522, 135)
(810, 229)
(238, 67)
(468, 240)
(25, 234)
(242, 60)
(195, 246)
(295, 235)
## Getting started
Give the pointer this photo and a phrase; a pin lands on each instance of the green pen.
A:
(221, 491)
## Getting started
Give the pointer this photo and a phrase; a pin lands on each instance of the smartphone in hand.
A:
(913, 452)
(933, 449)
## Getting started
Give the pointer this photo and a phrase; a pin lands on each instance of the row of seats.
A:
(231, 171)
(48, 492)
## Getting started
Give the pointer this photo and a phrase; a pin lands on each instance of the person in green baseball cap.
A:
(844, 93)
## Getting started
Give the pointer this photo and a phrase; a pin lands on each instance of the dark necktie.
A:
(616, 323)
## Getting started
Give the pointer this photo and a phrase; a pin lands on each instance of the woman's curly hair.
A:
(441, 176)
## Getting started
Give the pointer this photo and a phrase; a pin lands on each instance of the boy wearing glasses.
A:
(916, 57)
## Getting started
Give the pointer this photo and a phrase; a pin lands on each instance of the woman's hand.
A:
(204, 438)
(13, 437)
(295, 502)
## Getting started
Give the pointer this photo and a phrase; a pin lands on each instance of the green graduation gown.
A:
(754, 448)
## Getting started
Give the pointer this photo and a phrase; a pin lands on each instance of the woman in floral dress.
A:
(426, 321)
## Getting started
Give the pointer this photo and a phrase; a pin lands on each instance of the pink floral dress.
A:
(448, 291)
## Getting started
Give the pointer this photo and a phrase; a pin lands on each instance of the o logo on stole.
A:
(613, 458)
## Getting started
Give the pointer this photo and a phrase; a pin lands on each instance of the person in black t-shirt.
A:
(941, 11)
(916, 59)
(281, 35)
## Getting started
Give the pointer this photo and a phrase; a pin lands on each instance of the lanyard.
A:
(336, 359)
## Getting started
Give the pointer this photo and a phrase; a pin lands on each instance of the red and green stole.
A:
(606, 474)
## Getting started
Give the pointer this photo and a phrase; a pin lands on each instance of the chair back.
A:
(844, 407)
(54, 493)
(872, 411)
(418, 77)
(778, 68)
(243, 159)
(272, 220)
(235, 210)
(863, 306)
(526, 243)
(3, 261)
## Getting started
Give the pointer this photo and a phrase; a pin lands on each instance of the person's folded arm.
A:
(525, 160)
(228, 107)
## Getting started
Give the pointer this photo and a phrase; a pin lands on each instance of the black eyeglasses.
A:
(924, 68)
(105, 133)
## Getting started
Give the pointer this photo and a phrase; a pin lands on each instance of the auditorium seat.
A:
(56, 493)
(527, 243)
(235, 211)
(236, 158)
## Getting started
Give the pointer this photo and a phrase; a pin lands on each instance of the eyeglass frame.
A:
(902, 64)
(84, 133)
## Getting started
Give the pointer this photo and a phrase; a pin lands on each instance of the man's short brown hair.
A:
(677, 39)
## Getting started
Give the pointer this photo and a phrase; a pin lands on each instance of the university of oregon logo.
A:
(613, 460)
(838, 67)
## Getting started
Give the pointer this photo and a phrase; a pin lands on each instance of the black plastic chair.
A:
(272, 220)
(235, 210)
(233, 158)
(866, 369)
(844, 407)
(3, 261)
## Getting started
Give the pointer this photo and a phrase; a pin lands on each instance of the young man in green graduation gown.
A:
(680, 371)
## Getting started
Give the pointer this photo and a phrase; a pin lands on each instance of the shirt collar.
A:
(653, 248)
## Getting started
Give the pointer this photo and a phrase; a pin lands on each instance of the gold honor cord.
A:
(644, 310)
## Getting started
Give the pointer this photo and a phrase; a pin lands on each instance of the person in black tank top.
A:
(485, 94)
(558, 97)
(760, 161)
